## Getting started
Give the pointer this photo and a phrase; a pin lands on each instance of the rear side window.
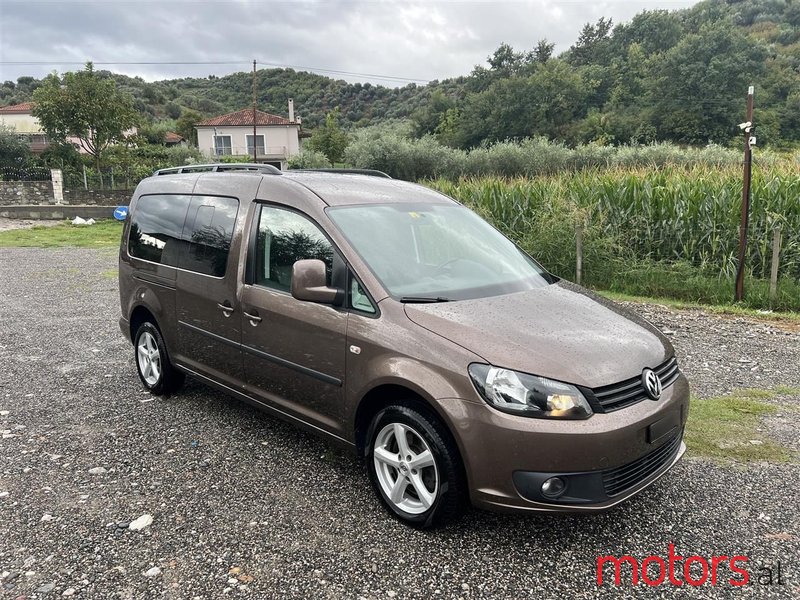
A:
(285, 237)
(207, 235)
(156, 226)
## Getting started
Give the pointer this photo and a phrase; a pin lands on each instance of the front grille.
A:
(616, 481)
(625, 393)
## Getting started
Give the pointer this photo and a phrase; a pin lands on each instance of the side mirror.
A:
(308, 282)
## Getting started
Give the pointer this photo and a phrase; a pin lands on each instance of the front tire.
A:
(155, 370)
(414, 466)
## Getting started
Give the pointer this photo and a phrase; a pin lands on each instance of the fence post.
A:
(85, 183)
(578, 253)
(773, 278)
(112, 177)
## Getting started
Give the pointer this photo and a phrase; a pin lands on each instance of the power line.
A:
(217, 63)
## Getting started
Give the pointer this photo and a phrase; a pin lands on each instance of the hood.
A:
(561, 331)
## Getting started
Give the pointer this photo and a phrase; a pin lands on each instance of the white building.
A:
(19, 117)
(276, 138)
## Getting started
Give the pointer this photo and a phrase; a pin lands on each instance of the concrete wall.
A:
(17, 193)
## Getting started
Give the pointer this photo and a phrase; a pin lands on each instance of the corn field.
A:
(644, 216)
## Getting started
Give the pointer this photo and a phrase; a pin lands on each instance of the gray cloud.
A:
(417, 40)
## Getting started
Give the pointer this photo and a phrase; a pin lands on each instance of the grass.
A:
(103, 234)
(724, 428)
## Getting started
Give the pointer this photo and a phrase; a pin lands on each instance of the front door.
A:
(293, 351)
(209, 325)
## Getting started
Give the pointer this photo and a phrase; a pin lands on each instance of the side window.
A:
(207, 234)
(285, 237)
(156, 225)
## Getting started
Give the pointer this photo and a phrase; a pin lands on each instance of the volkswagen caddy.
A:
(390, 318)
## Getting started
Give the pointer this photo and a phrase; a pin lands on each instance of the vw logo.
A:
(652, 384)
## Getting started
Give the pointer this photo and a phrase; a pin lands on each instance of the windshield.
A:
(436, 252)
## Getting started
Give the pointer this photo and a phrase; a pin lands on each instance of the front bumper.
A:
(605, 459)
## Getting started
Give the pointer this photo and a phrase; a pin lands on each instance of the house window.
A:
(259, 144)
(222, 144)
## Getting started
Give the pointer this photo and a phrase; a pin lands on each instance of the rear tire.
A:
(414, 466)
(155, 370)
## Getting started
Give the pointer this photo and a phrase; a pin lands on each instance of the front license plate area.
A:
(663, 427)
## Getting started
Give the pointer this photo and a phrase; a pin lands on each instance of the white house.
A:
(276, 139)
(19, 117)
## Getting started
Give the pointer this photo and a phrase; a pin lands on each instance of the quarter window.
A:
(285, 237)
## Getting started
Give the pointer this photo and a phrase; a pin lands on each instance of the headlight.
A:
(529, 395)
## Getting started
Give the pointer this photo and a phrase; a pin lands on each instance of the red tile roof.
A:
(173, 138)
(244, 118)
(25, 107)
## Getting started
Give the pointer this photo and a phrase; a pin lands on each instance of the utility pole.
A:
(749, 140)
(255, 156)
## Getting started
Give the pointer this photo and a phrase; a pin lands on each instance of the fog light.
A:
(554, 487)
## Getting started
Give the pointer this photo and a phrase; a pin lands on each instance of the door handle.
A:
(227, 310)
(254, 319)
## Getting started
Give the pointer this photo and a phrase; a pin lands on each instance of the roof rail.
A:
(371, 172)
(220, 168)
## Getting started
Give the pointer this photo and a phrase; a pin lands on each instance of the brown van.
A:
(390, 318)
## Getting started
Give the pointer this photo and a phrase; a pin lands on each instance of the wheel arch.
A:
(386, 394)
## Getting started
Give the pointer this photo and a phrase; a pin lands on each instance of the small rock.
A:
(4, 413)
(46, 588)
(123, 524)
(3, 494)
(756, 442)
(68, 592)
(391, 593)
(98, 471)
(465, 586)
(46, 517)
(154, 572)
(141, 523)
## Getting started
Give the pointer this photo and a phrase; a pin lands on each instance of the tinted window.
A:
(156, 226)
(207, 234)
(285, 237)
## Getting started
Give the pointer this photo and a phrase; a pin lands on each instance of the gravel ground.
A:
(245, 506)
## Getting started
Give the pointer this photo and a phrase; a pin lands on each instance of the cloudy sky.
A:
(380, 41)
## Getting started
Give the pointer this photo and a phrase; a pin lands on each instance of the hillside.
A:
(666, 75)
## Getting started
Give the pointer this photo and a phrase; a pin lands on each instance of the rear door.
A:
(209, 325)
(294, 351)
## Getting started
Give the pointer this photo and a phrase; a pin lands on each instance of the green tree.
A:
(85, 106)
(13, 151)
(700, 85)
(185, 124)
(329, 138)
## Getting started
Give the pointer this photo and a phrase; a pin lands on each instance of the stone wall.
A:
(15, 193)
(97, 197)
(26, 193)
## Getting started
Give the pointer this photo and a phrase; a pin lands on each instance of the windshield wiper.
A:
(423, 299)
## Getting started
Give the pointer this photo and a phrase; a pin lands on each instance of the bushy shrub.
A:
(392, 149)
(308, 159)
